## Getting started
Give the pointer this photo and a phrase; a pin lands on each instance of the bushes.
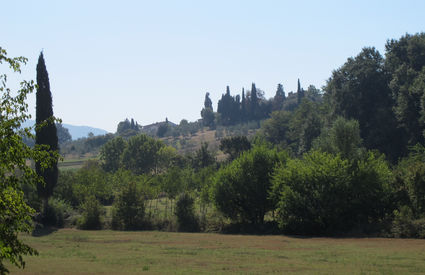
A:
(185, 212)
(241, 189)
(128, 209)
(91, 217)
(325, 194)
(57, 212)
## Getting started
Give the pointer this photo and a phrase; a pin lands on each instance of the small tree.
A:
(241, 189)
(92, 211)
(185, 212)
(234, 146)
(111, 154)
(128, 209)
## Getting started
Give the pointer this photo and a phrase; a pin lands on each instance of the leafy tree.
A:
(359, 90)
(241, 189)
(141, 154)
(15, 214)
(203, 157)
(234, 146)
(405, 61)
(45, 132)
(126, 128)
(63, 133)
(208, 117)
(277, 129)
(128, 210)
(162, 129)
(323, 193)
(185, 212)
(342, 138)
(306, 125)
(111, 154)
(410, 182)
(91, 217)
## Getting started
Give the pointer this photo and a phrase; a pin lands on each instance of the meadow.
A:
(71, 251)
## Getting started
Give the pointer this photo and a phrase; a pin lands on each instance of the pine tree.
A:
(46, 133)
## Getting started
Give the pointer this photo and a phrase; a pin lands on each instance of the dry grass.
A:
(71, 251)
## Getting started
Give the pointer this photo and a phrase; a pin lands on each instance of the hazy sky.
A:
(111, 60)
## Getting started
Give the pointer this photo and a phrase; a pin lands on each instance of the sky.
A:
(148, 60)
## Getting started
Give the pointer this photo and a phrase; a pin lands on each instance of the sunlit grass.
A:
(71, 251)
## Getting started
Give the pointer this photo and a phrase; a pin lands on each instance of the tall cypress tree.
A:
(45, 133)
(300, 92)
(243, 106)
(254, 103)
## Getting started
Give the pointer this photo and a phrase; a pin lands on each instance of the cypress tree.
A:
(46, 133)
(243, 106)
(208, 102)
(300, 92)
(254, 102)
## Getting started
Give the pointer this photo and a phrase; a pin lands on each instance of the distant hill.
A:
(75, 131)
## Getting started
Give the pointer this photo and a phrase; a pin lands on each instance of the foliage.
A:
(409, 183)
(406, 226)
(111, 153)
(75, 185)
(359, 90)
(342, 138)
(241, 189)
(277, 129)
(92, 211)
(56, 213)
(141, 154)
(63, 133)
(15, 214)
(234, 146)
(126, 128)
(185, 212)
(203, 157)
(45, 132)
(405, 62)
(323, 193)
(128, 208)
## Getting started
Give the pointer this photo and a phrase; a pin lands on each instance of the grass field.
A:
(71, 251)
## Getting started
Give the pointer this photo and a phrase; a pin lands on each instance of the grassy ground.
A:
(70, 251)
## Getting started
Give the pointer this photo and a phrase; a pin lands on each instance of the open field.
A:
(74, 162)
(71, 251)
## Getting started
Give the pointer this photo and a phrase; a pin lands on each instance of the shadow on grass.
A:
(40, 231)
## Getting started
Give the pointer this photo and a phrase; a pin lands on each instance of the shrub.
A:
(185, 212)
(57, 212)
(323, 193)
(91, 216)
(241, 189)
(128, 209)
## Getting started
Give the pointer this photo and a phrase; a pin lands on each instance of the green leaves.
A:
(15, 214)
